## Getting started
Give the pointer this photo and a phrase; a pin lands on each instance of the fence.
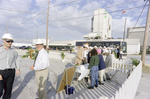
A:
(129, 87)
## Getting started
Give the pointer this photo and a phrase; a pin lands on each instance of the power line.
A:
(14, 10)
(139, 17)
(98, 14)
(24, 3)
(64, 3)
(104, 8)
(65, 22)
(71, 24)
(46, 9)
(83, 17)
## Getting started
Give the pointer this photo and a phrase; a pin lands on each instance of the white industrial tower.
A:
(101, 25)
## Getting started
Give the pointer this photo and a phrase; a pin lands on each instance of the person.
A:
(70, 50)
(101, 67)
(104, 50)
(89, 54)
(108, 63)
(93, 65)
(40, 66)
(81, 55)
(95, 47)
(120, 54)
(85, 52)
(9, 61)
(99, 50)
(111, 50)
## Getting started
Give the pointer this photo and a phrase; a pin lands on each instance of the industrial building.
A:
(138, 32)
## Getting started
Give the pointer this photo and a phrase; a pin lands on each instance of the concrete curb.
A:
(147, 65)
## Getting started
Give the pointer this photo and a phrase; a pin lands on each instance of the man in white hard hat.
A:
(40, 66)
(9, 61)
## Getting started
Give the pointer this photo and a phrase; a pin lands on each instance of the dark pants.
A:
(7, 83)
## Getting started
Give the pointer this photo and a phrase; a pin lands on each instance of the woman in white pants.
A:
(101, 67)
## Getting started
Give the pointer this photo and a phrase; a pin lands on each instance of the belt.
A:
(42, 69)
(9, 69)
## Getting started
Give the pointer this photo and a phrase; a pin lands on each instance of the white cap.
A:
(104, 46)
(86, 45)
(95, 46)
(39, 41)
(90, 47)
(106, 51)
(7, 36)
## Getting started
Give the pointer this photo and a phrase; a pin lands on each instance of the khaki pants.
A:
(101, 75)
(41, 79)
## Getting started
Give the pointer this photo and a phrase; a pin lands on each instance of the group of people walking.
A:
(97, 65)
(10, 63)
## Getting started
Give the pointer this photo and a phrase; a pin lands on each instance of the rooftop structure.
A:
(138, 32)
(101, 25)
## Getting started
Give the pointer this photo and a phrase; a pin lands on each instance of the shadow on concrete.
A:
(23, 84)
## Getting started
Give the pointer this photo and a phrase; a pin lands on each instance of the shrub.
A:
(24, 56)
(115, 54)
(62, 55)
(135, 61)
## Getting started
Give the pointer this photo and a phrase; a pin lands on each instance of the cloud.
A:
(65, 29)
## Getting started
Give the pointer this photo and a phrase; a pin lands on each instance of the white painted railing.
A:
(123, 66)
(129, 87)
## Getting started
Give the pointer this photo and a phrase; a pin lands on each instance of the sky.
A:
(68, 19)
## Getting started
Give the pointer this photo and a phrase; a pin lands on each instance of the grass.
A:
(146, 69)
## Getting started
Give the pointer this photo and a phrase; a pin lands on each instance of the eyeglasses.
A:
(8, 41)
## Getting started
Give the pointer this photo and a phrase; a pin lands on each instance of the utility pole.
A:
(146, 36)
(37, 33)
(47, 26)
(124, 30)
(7, 27)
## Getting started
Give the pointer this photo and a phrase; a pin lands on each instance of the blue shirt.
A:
(101, 64)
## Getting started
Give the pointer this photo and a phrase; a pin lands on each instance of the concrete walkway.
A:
(143, 91)
(25, 85)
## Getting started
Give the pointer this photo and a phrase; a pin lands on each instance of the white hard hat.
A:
(39, 41)
(7, 36)
(86, 45)
(90, 47)
(95, 46)
(106, 51)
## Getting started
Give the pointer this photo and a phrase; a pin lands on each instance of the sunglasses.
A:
(8, 41)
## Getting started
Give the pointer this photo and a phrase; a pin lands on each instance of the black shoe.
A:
(108, 78)
(101, 83)
(96, 86)
(90, 87)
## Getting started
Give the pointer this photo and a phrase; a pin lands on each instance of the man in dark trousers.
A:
(9, 61)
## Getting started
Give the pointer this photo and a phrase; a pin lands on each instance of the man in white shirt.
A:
(85, 47)
(40, 66)
(9, 61)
